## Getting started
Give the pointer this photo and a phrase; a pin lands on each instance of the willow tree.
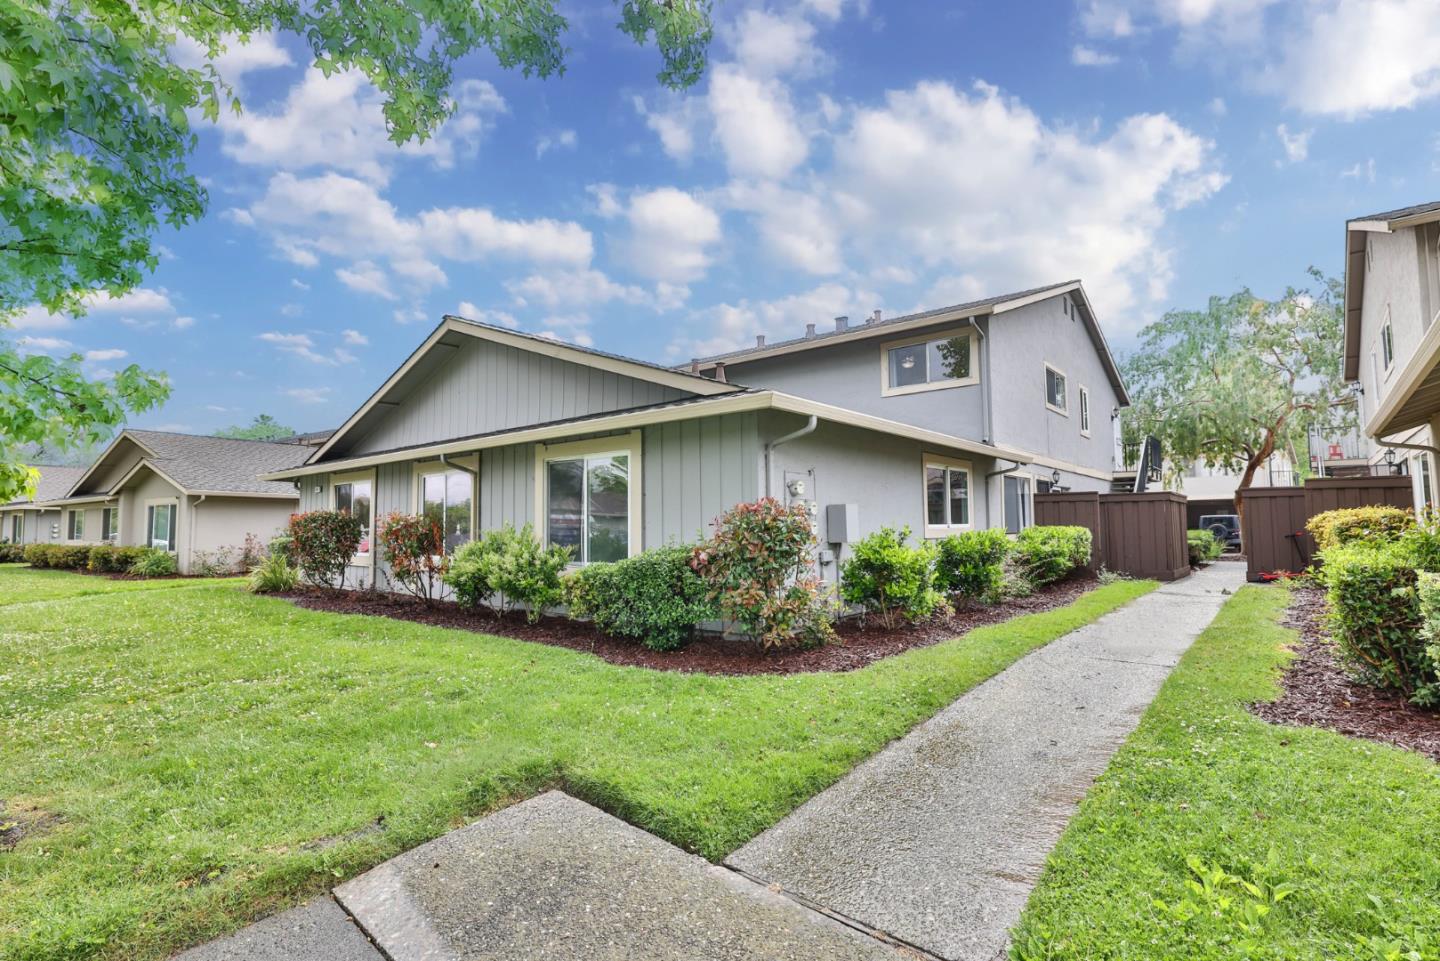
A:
(1230, 385)
(96, 136)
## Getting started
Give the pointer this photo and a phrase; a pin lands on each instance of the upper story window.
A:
(1056, 395)
(929, 363)
(1387, 341)
(1085, 411)
(355, 495)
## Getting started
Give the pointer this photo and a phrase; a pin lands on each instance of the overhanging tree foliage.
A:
(1232, 384)
(95, 139)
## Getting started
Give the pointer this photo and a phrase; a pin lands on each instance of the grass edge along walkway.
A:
(1214, 835)
(249, 746)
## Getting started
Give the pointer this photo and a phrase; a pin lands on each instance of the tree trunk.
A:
(1251, 467)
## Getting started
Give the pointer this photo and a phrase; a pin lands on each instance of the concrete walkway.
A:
(935, 842)
(939, 838)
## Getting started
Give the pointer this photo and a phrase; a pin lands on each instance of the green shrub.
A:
(1427, 587)
(1370, 524)
(653, 597)
(153, 562)
(760, 571)
(1375, 615)
(11, 553)
(414, 551)
(1046, 554)
(1422, 542)
(972, 564)
(1203, 546)
(112, 558)
(60, 557)
(323, 543)
(891, 580)
(37, 555)
(274, 575)
(507, 567)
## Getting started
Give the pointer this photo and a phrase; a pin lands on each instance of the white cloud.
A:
(111, 353)
(354, 338)
(562, 139)
(261, 52)
(755, 124)
(413, 314)
(1296, 144)
(308, 395)
(561, 288)
(1361, 171)
(42, 345)
(299, 284)
(670, 235)
(796, 226)
(183, 323)
(366, 278)
(498, 318)
(571, 328)
(291, 310)
(141, 300)
(766, 44)
(303, 346)
(1217, 107)
(1083, 56)
(730, 326)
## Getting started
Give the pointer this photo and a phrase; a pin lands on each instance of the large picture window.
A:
(947, 496)
(447, 498)
(355, 496)
(160, 522)
(929, 363)
(588, 494)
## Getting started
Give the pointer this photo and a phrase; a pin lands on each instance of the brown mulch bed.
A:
(860, 644)
(1319, 693)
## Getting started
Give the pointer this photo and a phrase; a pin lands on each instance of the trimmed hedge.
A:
(1203, 547)
(1047, 554)
(60, 557)
(654, 598)
(12, 553)
(1370, 524)
(112, 559)
(972, 564)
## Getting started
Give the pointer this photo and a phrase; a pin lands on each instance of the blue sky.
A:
(836, 158)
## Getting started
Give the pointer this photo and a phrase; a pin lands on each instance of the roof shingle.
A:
(221, 464)
(55, 481)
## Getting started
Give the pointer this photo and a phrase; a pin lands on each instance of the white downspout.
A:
(809, 428)
(190, 534)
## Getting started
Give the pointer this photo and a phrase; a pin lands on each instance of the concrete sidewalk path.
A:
(939, 838)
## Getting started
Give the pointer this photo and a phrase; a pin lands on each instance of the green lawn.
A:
(22, 584)
(214, 755)
(1205, 793)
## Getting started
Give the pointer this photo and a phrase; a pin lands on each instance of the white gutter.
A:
(809, 428)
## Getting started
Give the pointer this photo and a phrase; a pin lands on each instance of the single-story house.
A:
(24, 521)
(188, 494)
(483, 426)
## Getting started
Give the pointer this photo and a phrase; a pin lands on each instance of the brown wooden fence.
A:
(1142, 535)
(1273, 526)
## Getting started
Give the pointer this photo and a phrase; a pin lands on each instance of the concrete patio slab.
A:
(555, 878)
(318, 931)
(939, 838)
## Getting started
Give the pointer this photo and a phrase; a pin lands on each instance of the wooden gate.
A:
(1273, 528)
(1142, 535)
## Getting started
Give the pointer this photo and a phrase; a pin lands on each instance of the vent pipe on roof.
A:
(759, 340)
(875, 317)
(809, 331)
(842, 322)
(694, 365)
(720, 372)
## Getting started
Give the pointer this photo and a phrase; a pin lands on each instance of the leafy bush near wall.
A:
(972, 564)
(1376, 616)
(274, 575)
(414, 551)
(112, 559)
(890, 579)
(1427, 588)
(11, 553)
(654, 598)
(1370, 524)
(1046, 554)
(153, 562)
(323, 544)
(1203, 547)
(60, 557)
(508, 567)
(760, 570)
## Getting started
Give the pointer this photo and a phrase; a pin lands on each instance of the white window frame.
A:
(1064, 392)
(17, 527)
(967, 330)
(1084, 411)
(114, 513)
(628, 444)
(468, 466)
(174, 522)
(949, 464)
(1420, 469)
(70, 525)
(1030, 501)
(361, 558)
(1387, 343)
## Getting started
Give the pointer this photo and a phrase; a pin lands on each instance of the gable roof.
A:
(451, 328)
(1356, 241)
(54, 482)
(999, 304)
(199, 464)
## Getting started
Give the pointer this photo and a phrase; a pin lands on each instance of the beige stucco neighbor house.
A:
(24, 521)
(1392, 343)
(185, 493)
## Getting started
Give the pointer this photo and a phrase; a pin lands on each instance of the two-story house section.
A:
(1392, 343)
(1029, 371)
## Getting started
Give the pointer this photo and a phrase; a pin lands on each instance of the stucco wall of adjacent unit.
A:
(1392, 281)
(217, 523)
(149, 486)
(850, 375)
(92, 533)
(1022, 342)
(487, 387)
(39, 527)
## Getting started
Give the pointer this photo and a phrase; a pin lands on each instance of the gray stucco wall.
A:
(223, 522)
(1392, 281)
(486, 387)
(39, 527)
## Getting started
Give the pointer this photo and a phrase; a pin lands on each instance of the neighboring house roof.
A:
(740, 399)
(313, 439)
(55, 481)
(586, 356)
(1356, 231)
(198, 464)
(873, 328)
